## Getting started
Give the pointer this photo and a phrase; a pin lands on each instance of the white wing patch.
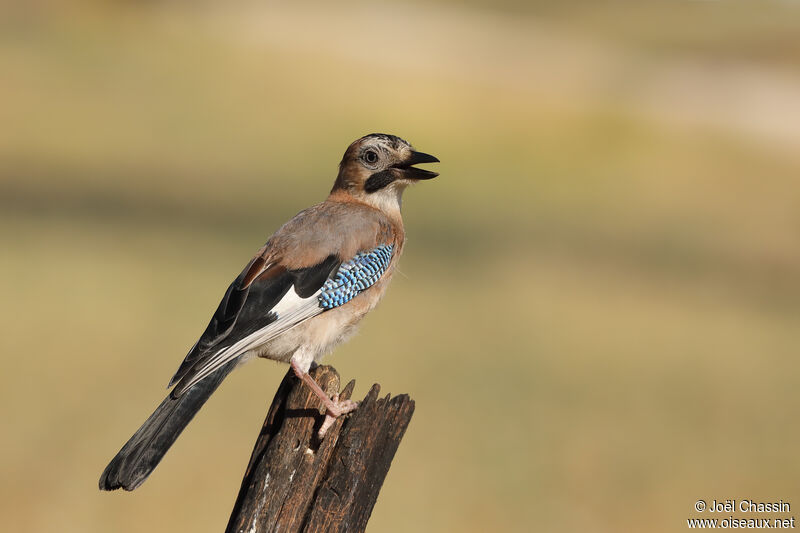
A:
(291, 310)
(290, 301)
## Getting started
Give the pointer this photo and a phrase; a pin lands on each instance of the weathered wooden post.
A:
(294, 482)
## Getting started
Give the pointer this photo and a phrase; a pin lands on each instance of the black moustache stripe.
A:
(379, 180)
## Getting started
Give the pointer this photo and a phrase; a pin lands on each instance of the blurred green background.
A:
(599, 307)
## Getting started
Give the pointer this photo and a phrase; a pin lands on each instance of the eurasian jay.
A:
(302, 294)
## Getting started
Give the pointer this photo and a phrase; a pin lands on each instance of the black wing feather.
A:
(246, 309)
(309, 280)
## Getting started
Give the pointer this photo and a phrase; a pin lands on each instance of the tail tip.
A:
(112, 479)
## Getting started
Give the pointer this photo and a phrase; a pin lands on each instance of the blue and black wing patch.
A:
(355, 276)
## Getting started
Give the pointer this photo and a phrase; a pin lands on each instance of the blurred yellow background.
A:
(599, 308)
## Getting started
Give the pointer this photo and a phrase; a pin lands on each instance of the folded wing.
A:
(272, 294)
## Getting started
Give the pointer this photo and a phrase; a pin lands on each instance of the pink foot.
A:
(339, 408)
(334, 407)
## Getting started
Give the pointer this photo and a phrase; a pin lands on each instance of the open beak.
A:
(416, 158)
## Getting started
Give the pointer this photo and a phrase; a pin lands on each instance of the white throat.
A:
(388, 199)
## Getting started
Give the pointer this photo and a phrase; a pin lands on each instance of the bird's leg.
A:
(334, 408)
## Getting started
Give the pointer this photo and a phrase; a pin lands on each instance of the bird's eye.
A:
(370, 156)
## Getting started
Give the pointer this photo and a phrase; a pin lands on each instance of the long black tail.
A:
(142, 453)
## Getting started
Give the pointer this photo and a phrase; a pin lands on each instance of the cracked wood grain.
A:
(294, 482)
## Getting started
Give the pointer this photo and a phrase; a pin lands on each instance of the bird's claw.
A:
(333, 411)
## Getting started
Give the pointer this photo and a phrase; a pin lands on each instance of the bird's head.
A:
(378, 167)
